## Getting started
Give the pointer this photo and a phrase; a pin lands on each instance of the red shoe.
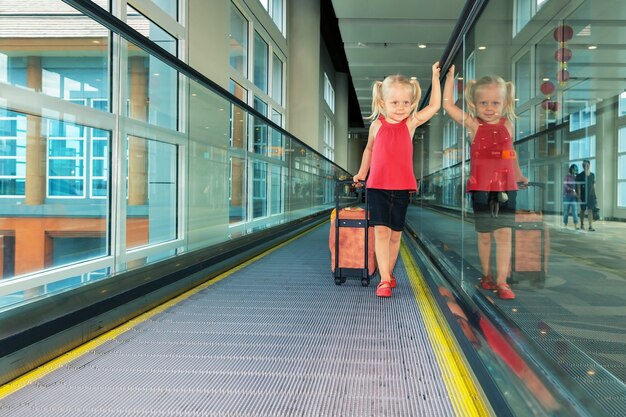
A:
(488, 283)
(393, 282)
(504, 292)
(383, 289)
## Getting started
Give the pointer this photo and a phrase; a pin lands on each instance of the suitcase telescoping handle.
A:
(540, 186)
(338, 186)
(359, 185)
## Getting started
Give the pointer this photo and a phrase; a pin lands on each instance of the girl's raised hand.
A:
(436, 69)
(451, 71)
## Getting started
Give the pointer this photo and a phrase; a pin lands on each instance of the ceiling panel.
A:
(382, 37)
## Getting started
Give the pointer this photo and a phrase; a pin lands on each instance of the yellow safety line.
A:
(467, 400)
(32, 376)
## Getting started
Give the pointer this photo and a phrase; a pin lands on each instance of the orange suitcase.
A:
(531, 242)
(351, 243)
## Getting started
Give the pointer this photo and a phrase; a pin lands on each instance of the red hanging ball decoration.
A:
(547, 88)
(550, 105)
(562, 75)
(563, 54)
(563, 33)
(554, 106)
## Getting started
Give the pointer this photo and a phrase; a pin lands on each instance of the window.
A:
(259, 189)
(12, 153)
(260, 128)
(66, 159)
(523, 84)
(151, 30)
(238, 117)
(524, 10)
(329, 93)
(523, 13)
(169, 6)
(582, 119)
(621, 168)
(275, 10)
(261, 62)
(584, 148)
(151, 90)
(450, 144)
(238, 41)
(470, 67)
(329, 138)
(622, 104)
(277, 79)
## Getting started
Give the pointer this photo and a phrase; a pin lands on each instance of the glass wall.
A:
(111, 158)
(559, 242)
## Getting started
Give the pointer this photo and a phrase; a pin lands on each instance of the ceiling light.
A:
(482, 48)
(414, 78)
(546, 79)
(592, 47)
(421, 46)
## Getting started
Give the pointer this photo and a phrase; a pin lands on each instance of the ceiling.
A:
(383, 37)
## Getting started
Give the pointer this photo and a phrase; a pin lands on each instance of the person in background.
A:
(586, 190)
(570, 196)
(388, 157)
(494, 170)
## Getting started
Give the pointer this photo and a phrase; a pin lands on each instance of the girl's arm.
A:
(367, 153)
(434, 104)
(457, 114)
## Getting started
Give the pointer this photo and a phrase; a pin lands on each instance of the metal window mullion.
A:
(117, 166)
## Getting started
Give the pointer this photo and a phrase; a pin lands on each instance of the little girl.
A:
(388, 156)
(494, 169)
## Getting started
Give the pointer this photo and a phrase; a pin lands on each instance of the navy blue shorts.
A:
(388, 207)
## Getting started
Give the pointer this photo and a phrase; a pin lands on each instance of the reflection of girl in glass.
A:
(494, 169)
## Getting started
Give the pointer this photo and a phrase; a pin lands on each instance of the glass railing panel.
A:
(152, 192)
(151, 91)
(566, 137)
(217, 171)
(182, 166)
(54, 199)
(76, 69)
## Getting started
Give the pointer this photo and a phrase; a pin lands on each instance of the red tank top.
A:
(492, 159)
(391, 167)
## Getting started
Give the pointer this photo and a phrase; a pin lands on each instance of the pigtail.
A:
(417, 94)
(377, 96)
(508, 109)
(470, 90)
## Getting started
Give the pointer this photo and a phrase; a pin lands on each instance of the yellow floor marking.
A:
(467, 400)
(32, 376)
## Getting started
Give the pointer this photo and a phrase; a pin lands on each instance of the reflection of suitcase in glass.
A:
(531, 244)
(351, 242)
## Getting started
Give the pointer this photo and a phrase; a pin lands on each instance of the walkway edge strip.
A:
(34, 375)
(466, 398)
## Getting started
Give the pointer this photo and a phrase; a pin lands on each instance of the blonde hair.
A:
(508, 94)
(381, 89)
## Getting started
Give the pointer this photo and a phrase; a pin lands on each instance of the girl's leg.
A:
(566, 206)
(394, 249)
(484, 252)
(503, 254)
(382, 236)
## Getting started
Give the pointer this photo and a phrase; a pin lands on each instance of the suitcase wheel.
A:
(365, 282)
(338, 281)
